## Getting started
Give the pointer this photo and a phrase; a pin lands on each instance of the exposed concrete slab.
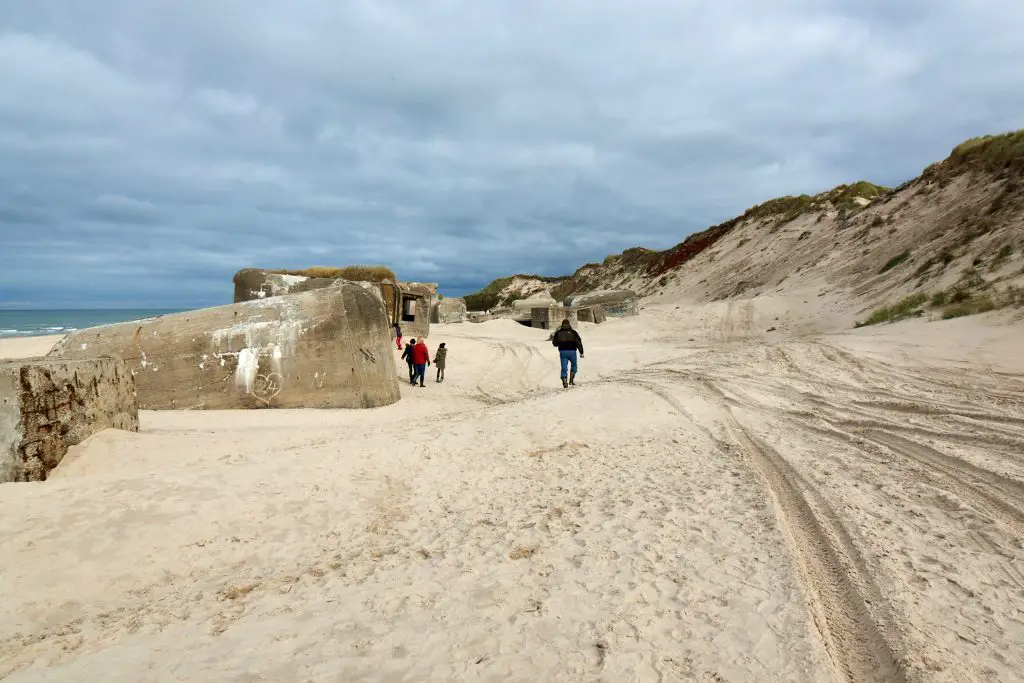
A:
(325, 348)
(551, 317)
(591, 314)
(48, 405)
(448, 310)
(617, 303)
(409, 304)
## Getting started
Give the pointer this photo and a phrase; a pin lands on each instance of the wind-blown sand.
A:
(27, 347)
(713, 502)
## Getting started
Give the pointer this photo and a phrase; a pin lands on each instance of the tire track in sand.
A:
(824, 553)
(998, 496)
(840, 611)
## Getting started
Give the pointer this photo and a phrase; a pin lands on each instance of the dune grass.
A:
(357, 273)
(907, 307)
(895, 261)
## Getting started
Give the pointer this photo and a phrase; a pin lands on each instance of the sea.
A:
(26, 323)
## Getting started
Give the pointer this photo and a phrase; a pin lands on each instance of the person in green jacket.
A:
(439, 358)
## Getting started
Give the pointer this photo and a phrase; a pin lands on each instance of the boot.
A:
(565, 383)
(572, 378)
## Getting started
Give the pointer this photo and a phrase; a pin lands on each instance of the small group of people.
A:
(417, 356)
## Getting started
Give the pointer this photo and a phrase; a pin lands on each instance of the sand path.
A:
(709, 504)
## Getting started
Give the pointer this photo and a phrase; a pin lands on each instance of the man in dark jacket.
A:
(407, 357)
(568, 342)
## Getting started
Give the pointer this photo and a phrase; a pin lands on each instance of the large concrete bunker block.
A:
(551, 317)
(325, 348)
(615, 303)
(48, 405)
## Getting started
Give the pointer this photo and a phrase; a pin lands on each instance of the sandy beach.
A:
(712, 503)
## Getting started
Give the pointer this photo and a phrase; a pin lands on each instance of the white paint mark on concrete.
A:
(245, 372)
(85, 346)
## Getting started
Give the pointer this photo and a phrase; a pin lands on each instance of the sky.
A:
(151, 148)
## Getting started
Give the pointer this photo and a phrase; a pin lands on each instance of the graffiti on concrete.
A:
(266, 387)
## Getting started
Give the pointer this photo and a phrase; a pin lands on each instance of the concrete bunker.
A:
(449, 310)
(406, 303)
(324, 348)
(614, 303)
(48, 405)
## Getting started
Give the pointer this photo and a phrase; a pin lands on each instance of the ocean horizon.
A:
(42, 322)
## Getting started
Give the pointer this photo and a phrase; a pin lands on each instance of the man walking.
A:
(420, 360)
(568, 342)
(407, 357)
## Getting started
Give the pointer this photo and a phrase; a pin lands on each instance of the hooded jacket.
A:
(439, 357)
(567, 339)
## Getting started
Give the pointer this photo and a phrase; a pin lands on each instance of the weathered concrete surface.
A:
(48, 405)
(551, 317)
(407, 303)
(326, 348)
(591, 314)
(617, 303)
(413, 313)
(448, 310)
(478, 317)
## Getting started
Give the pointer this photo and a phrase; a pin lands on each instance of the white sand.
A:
(739, 507)
(27, 347)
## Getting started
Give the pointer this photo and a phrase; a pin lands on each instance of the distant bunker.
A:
(449, 310)
(407, 303)
(613, 303)
(48, 405)
(324, 348)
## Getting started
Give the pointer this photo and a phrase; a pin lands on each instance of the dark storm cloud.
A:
(149, 150)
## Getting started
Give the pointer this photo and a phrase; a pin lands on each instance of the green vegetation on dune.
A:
(990, 153)
(895, 261)
(487, 297)
(907, 307)
(841, 197)
(355, 273)
(490, 296)
(970, 295)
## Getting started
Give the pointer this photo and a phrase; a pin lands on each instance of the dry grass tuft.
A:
(236, 592)
(522, 552)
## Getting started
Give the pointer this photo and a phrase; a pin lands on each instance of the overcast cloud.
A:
(151, 148)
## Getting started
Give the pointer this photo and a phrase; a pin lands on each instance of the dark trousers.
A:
(421, 369)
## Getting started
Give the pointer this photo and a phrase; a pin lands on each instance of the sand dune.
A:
(711, 503)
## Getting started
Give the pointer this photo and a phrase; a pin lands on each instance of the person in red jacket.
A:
(420, 360)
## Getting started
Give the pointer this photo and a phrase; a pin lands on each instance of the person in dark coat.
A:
(439, 359)
(568, 342)
(407, 357)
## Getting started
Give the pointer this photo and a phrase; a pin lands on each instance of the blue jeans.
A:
(568, 357)
(421, 368)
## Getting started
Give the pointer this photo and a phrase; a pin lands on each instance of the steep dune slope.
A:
(860, 245)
